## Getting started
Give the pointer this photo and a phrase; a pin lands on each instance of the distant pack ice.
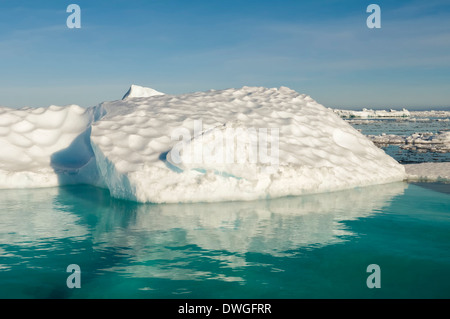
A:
(126, 146)
(365, 113)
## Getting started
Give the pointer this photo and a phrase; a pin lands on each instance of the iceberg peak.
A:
(140, 91)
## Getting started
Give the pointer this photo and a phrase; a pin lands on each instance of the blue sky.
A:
(321, 48)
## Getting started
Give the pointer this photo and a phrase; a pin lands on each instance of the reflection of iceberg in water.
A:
(162, 240)
(27, 217)
(179, 241)
(268, 226)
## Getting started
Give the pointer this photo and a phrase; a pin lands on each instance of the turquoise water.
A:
(315, 246)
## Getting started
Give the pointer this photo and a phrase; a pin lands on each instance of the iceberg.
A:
(219, 145)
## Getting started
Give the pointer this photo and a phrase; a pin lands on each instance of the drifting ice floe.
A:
(430, 113)
(292, 145)
(365, 113)
(439, 142)
(429, 172)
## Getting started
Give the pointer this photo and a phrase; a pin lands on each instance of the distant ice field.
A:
(411, 140)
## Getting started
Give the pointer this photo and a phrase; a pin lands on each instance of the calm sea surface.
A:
(316, 246)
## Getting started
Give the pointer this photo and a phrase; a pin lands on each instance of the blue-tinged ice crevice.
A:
(117, 183)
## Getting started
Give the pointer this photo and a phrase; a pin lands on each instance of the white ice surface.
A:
(127, 149)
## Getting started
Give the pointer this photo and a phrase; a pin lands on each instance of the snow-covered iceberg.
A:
(254, 143)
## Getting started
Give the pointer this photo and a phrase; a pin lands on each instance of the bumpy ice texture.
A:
(127, 146)
(318, 151)
(43, 147)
